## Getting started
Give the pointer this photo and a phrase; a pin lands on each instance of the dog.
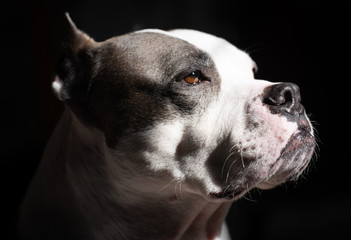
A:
(162, 131)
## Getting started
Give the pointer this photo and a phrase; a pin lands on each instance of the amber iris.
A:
(192, 78)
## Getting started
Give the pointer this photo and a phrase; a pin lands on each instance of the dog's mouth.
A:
(293, 160)
(291, 163)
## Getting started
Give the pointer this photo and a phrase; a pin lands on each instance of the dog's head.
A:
(184, 106)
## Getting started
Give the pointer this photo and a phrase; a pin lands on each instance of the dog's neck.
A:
(121, 204)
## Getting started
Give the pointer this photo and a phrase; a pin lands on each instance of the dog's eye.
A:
(194, 78)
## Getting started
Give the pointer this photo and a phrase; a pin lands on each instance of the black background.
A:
(299, 41)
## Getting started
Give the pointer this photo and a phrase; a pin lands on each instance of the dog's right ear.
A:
(72, 76)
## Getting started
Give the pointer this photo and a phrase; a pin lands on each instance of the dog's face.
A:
(184, 106)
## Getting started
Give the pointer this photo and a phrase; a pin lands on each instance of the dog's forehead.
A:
(225, 55)
(153, 55)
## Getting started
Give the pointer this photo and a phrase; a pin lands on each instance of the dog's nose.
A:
(284, 98)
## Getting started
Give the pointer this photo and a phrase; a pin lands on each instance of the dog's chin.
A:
(292, 162)
(228, 194)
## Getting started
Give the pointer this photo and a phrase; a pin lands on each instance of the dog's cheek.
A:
(163, 140)
(138, 113)
(155, 148)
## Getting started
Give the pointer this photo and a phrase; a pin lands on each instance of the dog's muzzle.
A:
(283, 100)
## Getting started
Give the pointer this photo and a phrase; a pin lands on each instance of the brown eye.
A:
(194, 78)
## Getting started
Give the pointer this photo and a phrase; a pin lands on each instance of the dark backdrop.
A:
(298, 41)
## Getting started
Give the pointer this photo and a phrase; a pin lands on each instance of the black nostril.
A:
(284, 97)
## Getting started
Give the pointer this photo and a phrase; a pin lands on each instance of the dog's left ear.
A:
(72, 72)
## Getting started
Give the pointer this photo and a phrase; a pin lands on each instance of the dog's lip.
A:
(301, 140)
(293, 159)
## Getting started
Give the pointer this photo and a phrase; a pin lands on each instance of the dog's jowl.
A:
(162, 131)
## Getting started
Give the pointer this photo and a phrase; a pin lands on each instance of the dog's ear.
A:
(72, 75)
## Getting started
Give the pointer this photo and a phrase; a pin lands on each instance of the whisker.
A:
(231, 152)
(259, 191)
(231, 149)
(254, 48)
(167, 185)
(249, 199)
(225, 162)
(226, 188)
(180, 189)
(175, 190)
(241, 156)
(228, 173)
